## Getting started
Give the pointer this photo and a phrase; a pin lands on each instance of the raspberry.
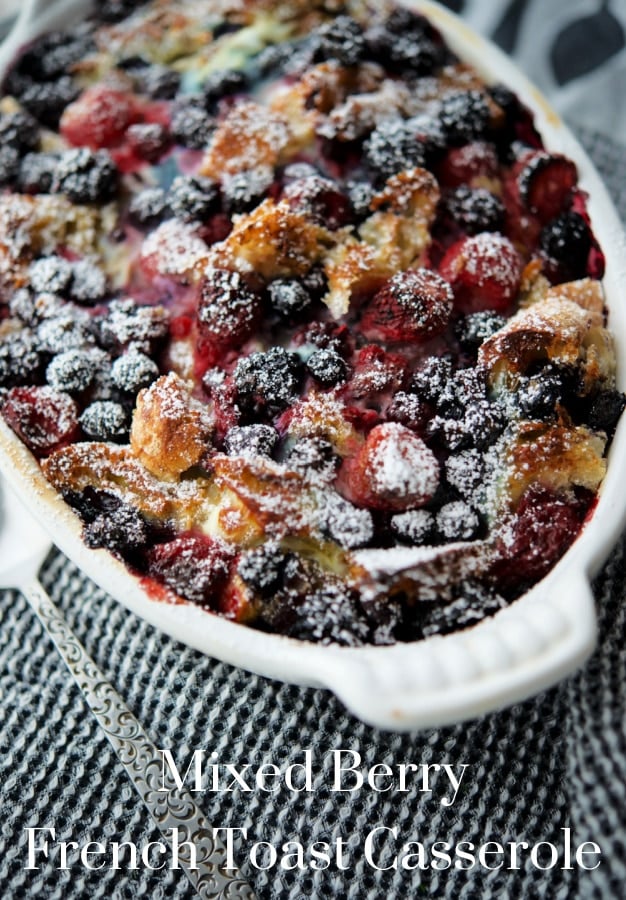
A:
(484, 271)
(263, 568)
(289, 298)
(268, 380)
(105, 420)
(148, 208)
(228, 311)
(320, 200)
(251, 440)
(192, 198)
(415, 526)
(375, 373)
(133, 371)
(191, 126)
(327, 367)
(99, 118)
(542, 528)
(393, 147)
(223, 83)
(464, 116)
(475, 210)
(545, 183)
(85, 177)
(71, 371)
(394, 470)
(50, 274)
(414, 305)
(43, 418)
(194, 566)
(342, 39)
(567, 240)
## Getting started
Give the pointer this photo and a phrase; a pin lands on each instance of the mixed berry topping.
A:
(309, 333)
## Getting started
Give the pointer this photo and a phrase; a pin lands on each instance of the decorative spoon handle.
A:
(172, 809)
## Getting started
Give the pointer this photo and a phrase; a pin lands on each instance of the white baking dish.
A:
(529, 646)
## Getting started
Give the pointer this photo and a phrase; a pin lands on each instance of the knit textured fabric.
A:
(556, 761)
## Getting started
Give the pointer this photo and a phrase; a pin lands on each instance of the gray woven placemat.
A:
(556, 761)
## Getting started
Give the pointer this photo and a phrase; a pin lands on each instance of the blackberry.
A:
(9, 165)
(63, 332)
(20, 360)
(430, 380)
(263, 568)
(192, 198)
(416, 526)
(465, 472)
(289, 298)
(464, 387)
(71, 371)
(297, 170)
(85, 177)
(190, 124)
(464, 116)
(47, 101)
(606, 408)
(475, 210)
(89, 282)
(457, 521)
(22, 306)
(404, 42)
(243, 191)
(50, 274)
(53, 54)
(314, 458)
(315, 282)
(361, 194)
(268, 380)
(223, 83)
(251, 440)
(148, 208)
(123, 531)
(567, 240)
(271, 60)
(484, 422)
(346, 524)
(341, 40)
(330, 615)
(319, 198)
(126, 323)
(105, 420)
(112, 11)
(393, 147)
(449, 433)
(36, 173)
(408, 409)
(474, 329)
(133, 371)
(475, 603)
(20, 131)
(157, 81)
(327, 367)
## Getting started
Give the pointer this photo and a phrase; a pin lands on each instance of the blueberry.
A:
(606, 408)
(361, 194)
(9, 165)
(415, 526)
(50, 274)
(567, 240)
(126, 323)
(20, 360)
(475, 210)
(346, 524)
(314, 458)
(157, 81)
(330, 615)
(327, 367)
(268, 380)
(464, 116)
(89, 282)
(539, 395)
(289, 298)
(63, 332)
(85, 177)
(457, 521)
(36, 173)
(474, 329)
(430, 380)
(223, 83)
(263, 568)
(245, 190)
(193, 198)
(148, 208)
(191, 126)
(105, 420)
(251, 440)
(71, 371)
(133, 371)
(484, 422)
(341, 40)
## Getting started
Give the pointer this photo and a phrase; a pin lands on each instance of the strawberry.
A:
(228, 311)
(195, 566)
(414, 305)
(485, 272)
(461, 165)
(44, 418)
(99, 118)
(545, 182)
(394, 470)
